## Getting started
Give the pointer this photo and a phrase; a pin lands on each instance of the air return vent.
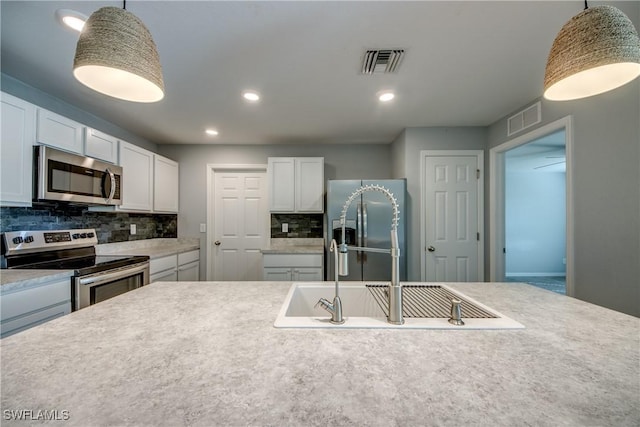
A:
(381, 61)
(524, 119)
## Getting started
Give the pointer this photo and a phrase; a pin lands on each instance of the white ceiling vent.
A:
(524, 119)
(381, 61)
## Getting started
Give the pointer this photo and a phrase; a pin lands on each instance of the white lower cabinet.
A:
(183, 267)
(293, 267)
(189, 266)
(23, 309)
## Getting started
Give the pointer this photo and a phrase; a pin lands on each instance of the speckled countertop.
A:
(153, 248)
(207, 354)
(295, 246)
(12, 280)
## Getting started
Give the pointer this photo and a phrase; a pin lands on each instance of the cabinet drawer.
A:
(35, 318)
(25, 301)
(292, 260)
(187, 257)
(162, 264)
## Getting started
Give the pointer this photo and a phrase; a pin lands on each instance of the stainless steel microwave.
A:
(62, 176)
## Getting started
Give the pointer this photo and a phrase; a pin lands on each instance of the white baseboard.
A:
(559, 274)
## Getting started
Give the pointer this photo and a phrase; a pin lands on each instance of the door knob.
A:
(431, 249)
(217, 243)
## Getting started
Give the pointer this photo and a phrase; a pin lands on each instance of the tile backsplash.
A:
(111, 227)
(299, 225)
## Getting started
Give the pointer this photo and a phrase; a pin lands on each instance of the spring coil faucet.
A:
(395, 288)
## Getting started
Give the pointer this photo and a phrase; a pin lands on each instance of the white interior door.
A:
(452, 217)
(240, 223)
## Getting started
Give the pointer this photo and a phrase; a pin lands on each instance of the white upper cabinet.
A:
(100, 146)
(309, 184)
(165, 184)
(18, 120)
(137, 177)
(296, 184)
(58, 131)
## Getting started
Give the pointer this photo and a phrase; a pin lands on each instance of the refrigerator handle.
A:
(364, 225)
(359, 225)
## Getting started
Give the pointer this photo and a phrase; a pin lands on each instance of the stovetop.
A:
(61, 250)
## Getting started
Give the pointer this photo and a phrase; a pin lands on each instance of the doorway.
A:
(505, 216)
(237, 221)
(535, 213)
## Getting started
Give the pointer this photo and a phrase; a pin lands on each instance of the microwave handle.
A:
(112, 178)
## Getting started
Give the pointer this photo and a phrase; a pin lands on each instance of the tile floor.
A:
(551, 283)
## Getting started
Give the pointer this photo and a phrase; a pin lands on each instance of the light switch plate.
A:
(203, 228)
(133, 229)
(285, 227)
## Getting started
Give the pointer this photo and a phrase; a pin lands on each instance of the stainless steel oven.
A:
(96, 278)
(97, 287)
(62, 176)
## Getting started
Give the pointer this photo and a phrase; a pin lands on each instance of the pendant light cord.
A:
(124, 4)
(586, 6)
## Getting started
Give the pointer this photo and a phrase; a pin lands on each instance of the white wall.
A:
(535, 226)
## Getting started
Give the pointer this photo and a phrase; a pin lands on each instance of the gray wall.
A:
(606, 193)
(406, 160)
(340, 162)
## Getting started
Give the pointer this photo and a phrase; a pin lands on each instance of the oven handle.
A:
(99, 279)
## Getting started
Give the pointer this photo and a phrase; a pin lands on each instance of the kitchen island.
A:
(206, 353)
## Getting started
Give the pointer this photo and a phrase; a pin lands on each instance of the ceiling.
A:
(466, 64)
(543, 155)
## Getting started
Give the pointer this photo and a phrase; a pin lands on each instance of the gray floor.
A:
(551, 283)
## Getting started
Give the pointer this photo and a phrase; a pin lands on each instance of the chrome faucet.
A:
(395, 288)
(334, 308)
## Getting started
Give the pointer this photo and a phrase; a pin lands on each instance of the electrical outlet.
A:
(285, 227)
(133, 229)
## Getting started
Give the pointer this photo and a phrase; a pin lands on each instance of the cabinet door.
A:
(307, 274)
(277, 274)
(189, 272)
(137, 177)
(281, 175)
(100, 146)
(58, 131)
(18, 120)
(165, 184)
(164, 276)
(26, 308)
(309, 184)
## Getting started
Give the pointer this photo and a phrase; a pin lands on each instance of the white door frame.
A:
(496, 198)
(479, 154)
(212, 168)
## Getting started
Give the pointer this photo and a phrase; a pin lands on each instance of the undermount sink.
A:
(363, 306)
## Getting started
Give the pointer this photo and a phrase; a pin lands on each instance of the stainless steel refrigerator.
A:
(368, 224)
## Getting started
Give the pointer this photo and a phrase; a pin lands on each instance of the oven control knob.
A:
(28, 239)
(17, 240)
(76, 236)
(91, 235)
(83, 235)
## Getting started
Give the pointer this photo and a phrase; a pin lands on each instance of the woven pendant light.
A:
(116, 56)
(596, 51)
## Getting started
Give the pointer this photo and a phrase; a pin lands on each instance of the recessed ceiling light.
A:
(386, 96)
(251, 95)
(71, 18)
(211, 132)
